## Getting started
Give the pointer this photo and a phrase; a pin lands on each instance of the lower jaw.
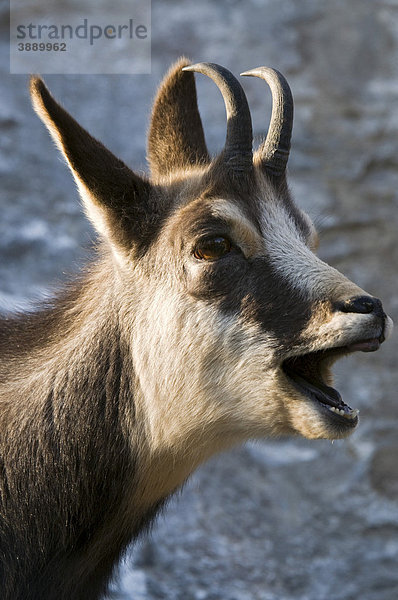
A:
(341, 419)
(348, 420)
(316, 421)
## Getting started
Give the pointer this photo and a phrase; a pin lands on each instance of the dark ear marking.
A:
(113, 195)
(176, 139)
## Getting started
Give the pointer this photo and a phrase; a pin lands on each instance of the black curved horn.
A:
(237, 154)
(275, 150)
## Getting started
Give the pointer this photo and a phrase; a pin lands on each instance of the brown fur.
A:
(176, 139)
(154, 360)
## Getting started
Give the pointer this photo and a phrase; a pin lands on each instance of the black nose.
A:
(361, 304)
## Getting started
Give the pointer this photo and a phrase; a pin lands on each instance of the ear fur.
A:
(176, 140)
(114, 197)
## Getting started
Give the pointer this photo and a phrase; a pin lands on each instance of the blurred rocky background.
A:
(281, 519)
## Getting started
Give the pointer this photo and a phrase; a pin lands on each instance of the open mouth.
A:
(311, 374)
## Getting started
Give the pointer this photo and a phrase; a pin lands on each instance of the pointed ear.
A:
(176, 139)
(115, 199)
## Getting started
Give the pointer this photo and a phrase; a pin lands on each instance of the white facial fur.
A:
(209, 380)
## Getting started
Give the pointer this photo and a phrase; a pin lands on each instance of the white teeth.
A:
(336, 410)
(352, 414)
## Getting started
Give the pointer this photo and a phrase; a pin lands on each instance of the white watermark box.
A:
(80, 36)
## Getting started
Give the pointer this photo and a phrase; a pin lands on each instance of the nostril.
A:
(362, 305)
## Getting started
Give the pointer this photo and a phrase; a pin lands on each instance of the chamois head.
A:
(232, 320)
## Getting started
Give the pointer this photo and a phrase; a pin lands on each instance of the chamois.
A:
(206, 319)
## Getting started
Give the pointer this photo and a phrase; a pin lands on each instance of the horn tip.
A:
(257, 71)
(192, 67)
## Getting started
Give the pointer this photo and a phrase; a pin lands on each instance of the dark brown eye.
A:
(212, 248)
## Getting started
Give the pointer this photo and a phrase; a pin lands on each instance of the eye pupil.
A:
(212, 248)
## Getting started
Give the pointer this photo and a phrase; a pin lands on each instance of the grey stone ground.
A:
(277, 520)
